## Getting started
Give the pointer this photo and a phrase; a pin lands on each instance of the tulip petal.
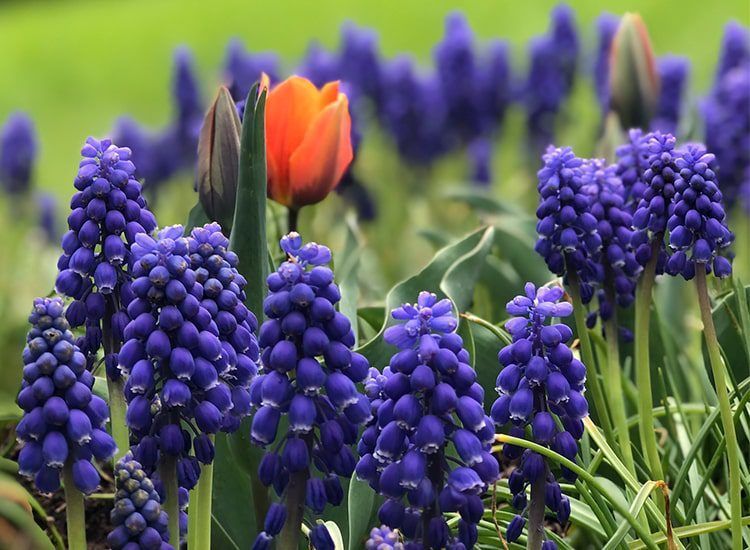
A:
(318, 164)
(290, 110)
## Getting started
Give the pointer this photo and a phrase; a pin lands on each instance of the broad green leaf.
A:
(429, 278)
(361, 504)
(459, 281)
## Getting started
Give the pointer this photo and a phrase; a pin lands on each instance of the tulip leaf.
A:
(196, 218)
(218, 160)
(429, 278)
(361, 503)
(248, 241)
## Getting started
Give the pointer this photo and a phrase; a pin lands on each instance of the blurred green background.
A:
(76, 65)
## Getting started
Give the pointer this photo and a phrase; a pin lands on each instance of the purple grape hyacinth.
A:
(137, 516)
(568, 238)
(189, 348)
(63, 423)
(650, 217)
(383, 538)
(425, 400)
(309, 375)
(606, 27)
(18, 150)
(614, 225)
(242, 69)
(674, 72)
(632, 163)
(697, 222)
(540, 382)
(735, 49)
(108, 211)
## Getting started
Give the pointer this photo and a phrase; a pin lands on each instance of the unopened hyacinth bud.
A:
(18, 150)
(190, 349)
(383, 538)
(427, 404)
(650, 216)
(137, 516)
(568, 238)
(540, 382)
(108, 211)
(697, 223)
(674, 72)
(63, 423)
(309, 376)
(614, 225)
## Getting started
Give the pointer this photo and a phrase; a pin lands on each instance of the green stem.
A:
(75, 510)
(587, 355)
(643, 364)
(615, 385)
(293, 219)
(535, 528)
(725, 407)
(204, 492)
(295, 506)
(115, 388)
(193, 506)
(168, 474)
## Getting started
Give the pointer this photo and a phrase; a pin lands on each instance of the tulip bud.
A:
(634, 81)
(218, 159)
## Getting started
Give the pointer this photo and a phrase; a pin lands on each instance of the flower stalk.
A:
(115, 387)
(168, 475)
(535, 528)
(725, 408)
(75, 510)
(204, 497)
(587, 354)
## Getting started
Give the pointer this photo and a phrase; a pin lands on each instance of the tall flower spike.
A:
(189, 348)
(137, 516)
(428, 406)
(697, 223)
(650, 217)
(18, 150)
(726, 114)
(108, 211)
(188, 105)
(674, 72)
(63, 422)
(242, 69)
(309, 375)
(632, 163)
(606, 27)
(614, 225)
(360, 62)
(735, 49)
(568, 238)
(494, 92)
(540, 382)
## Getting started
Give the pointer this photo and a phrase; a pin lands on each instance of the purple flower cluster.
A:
(137, 515)
(243, 69)
(108, 211)
(632, 163)
(540, 382)
(697, 224)
(606, 28)
(614, 226)
(726, 114)
(18, 150)
(650, 216)
(383, 538)
(553, 60)
(360, 63)
(189, 347)
(674, 72)
(309, 376)
(568, 238)
(63, 422)
(425, 400)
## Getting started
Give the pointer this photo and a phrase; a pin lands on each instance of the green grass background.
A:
(76, 65)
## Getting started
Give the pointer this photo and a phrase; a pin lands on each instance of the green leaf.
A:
(361, 504)
(728, 317)
(459, 281)
(335, 532)
(248, 241)
(196, 218)
(347, 270)
(429, 278)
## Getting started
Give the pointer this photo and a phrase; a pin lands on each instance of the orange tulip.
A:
(308, 141)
